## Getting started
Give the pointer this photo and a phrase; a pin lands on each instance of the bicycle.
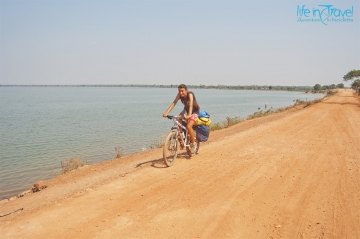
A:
(175, 138)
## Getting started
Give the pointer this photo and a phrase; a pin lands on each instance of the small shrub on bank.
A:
(226, 123)
(158, 143)
(73, 163)
(231, 121)
(330, 92)
(298, 102)
(281, 109)
(308, 103)
(216, 126)
(265, 113)
(119, 152)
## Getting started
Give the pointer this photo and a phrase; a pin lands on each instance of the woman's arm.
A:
(172, 105)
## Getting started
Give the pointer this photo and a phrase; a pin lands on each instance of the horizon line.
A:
(142, 85)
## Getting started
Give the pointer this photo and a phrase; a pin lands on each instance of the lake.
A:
(42, 126)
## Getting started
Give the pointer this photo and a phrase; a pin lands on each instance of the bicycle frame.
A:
(176, 129)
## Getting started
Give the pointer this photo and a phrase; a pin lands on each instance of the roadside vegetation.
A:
(226, 123)
(158, 143)
(331, 92)
(231, 121)
(119, 152)
(354, 76)
(326, 88)
(73, 163)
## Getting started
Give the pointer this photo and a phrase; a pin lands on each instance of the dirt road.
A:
(294, 174)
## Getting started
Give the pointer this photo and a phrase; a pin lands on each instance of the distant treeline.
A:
(221, 87)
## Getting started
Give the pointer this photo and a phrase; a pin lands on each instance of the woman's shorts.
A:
(193, 117)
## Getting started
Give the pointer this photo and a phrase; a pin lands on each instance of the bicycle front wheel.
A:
(170, 149)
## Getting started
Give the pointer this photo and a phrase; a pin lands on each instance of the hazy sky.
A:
(173, 42)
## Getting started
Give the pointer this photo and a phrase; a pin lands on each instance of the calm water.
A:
(42, 126)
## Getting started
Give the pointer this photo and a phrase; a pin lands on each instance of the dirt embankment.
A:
(294, 174)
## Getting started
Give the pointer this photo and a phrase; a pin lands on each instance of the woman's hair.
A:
(183, 86)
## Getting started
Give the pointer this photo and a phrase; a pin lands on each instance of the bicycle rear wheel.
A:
(170, 149)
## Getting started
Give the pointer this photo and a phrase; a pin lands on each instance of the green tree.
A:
(341, 85)
(356, 86)
(325, 87)
(353, 75)
(317, 87)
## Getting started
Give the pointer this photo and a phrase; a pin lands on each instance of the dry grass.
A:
(330, 92)
(231, 121)
(226, 123)
(308, 103)
(261, 113)
(119, 152)
(73, 163)
(158, 143)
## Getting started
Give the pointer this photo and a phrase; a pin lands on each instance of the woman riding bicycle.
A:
(190, 112)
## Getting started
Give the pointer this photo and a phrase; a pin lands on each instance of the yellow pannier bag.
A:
(203, 121)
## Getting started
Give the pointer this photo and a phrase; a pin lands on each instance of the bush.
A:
(158, 143)
(298, 102)
(330, 92)
(72, 163)
(264, 113)
(216, 126)
(119, 152)
(226, 123)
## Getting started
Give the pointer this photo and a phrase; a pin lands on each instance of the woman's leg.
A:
(191, 131)
(182, 114)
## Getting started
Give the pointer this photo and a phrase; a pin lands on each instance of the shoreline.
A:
(305, 89)
(35, 187)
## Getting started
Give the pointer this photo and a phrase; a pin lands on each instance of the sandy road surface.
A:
(294, 174)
